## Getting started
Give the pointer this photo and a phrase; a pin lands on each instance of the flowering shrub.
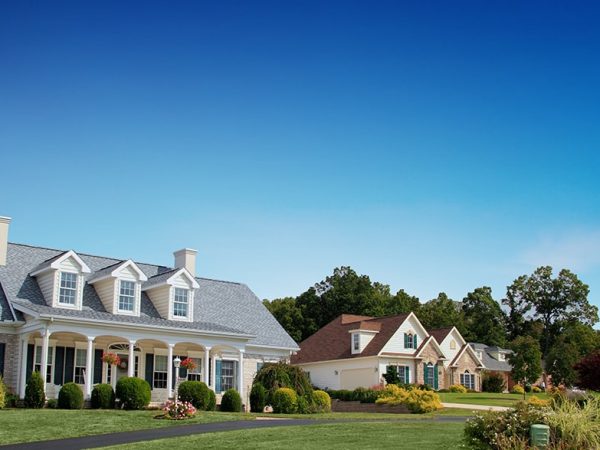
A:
(179, 410)
(112, 359)
(189, 364)
(538, 402)
(518, 389)
(417, 400)
(536, 389)
(458, 388)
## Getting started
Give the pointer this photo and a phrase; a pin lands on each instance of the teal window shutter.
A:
(425, 373)
(415, 341)
(407, 374)
(218, 376)
(405, 340)
(435, 377)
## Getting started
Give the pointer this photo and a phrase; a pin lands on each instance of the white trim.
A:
(460, 353)
(55, 265)
(170, 281)
(115, 272)
(426, 343)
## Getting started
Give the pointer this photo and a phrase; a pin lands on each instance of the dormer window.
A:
(356, 342)
(68, 288)
(126, 295)
(410, 340)
(180, 303)
(501, 357)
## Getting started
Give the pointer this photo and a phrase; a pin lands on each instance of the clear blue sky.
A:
(433, 146)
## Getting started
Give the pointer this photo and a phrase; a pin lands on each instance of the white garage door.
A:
(353, 378)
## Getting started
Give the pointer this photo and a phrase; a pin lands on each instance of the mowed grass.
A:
(27, 425)
(360, 435)
(458, 412)
(487, 398)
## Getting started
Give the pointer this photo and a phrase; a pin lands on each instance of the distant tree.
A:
(402, 303)
(551, 300)
(288, 315)
(560, 362)
(442, 312)
(526, 359)
(483, 317)
(588, 371)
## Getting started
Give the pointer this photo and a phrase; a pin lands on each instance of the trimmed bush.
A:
(52, 403)
(322, 401)
(493, 382)
(2, 393)
(194, 392)
(34, 392)
(416, 400)
(536, 389)
(277, 375)
(258, 398)
(133, 393)
(285, 401)
(103, 397)
(538, 402)
(231, 401)
(458, 389)
(518, 389)
(70, 396)
(212, 401)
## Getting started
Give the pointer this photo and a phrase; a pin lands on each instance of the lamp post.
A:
(176, 363)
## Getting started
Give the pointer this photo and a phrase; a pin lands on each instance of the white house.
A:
(355, 351)
(60, 310)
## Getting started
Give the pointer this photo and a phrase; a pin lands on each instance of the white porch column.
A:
(241, 378)
(206, 368)
(131, 365)
(44, 359)
(23, 374)
(213, 372)
(170, 371)
(89, 368)
(113, 376)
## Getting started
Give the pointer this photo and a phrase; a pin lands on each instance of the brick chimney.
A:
(186, 257)
(4, 224)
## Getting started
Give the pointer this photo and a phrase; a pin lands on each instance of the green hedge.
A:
(103, 397)
(281, 375)
(70, 396)
(358, 395)
(195, 392)
(322, 401)
(34, 392)
(258, 398)
(212, 401)
(231, 401)
(133, 393)
(285, 401)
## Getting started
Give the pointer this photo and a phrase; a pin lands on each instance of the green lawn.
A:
(374, 416)
(486, 398)
(375, 435)
(26, 425)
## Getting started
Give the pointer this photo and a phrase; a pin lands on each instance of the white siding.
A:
(411, 363)
(323, 375)
(160, 297)
(106, 291)
(127, 274)
(448, 352)
(48, 284)
(70, 265)
(396, 343)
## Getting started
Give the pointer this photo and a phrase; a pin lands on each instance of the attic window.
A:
(501, 357)
(356, 342)
(126, 295)
(68, 288)
(180, 303)
(410, 340)
(452, 344)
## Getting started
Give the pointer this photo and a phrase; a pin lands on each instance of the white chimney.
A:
(4, 224)
(186, 257)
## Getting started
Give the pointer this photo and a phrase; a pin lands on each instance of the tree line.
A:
(549, 316)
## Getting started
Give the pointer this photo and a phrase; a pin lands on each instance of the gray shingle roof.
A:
(488, 360)
(106, 271)
(219, 306)
(158, 279)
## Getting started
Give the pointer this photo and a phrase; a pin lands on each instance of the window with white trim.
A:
(68, 288)
(227, 375)
(126, 295)
(196, 374)
(467, 380)
(180, 302)
(501, 357)
(356, 342)
(430, 375)
(80, 363)
(160, 372)
(38, 362)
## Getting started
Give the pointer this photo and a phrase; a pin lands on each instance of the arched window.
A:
(430, 374)
(452, 344)
(467, 379)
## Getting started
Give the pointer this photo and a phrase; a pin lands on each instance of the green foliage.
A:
(588, 372)
(133, 393)
(231, 401)
(212, 401)
(194, 392)
(103, 397)
(52, 403)
(2, 393)
(493, 382)
(258, 398)
(576, 426)
(484, 318)
(518, 389)
(442, 312)
(70, 396)
(285, 401)
(526, 359)
(288, 315)
(277, 375)
(34, 392)
(458, 388)
(322, 401)
(560, 362)
(417, 400)
(358, 395)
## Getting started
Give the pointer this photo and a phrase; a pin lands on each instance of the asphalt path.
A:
(127, 437)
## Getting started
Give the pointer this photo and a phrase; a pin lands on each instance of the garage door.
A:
(353, 378)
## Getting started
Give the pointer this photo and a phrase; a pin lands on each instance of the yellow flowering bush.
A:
(538, 402)
(458, 388)
(416, 400)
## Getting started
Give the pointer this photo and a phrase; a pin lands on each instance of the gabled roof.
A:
(54, 263)
(219, 306)
(488, 360)
(463, 349)
(168, 277)
(429, 340)
(441, 333)
(113, 269)
(333, 341)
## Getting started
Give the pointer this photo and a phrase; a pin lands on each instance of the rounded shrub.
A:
(103, 397)
(194, 392)
(322, 401)
(258, 398)
(285, 401)
(518, 389)
(133, 393)
(231, 401)
(421, 401)
(70, 396)
(212, 401)
(458, 389)
(52, 403)
(34, 392)
(2, 393)
(536, 389)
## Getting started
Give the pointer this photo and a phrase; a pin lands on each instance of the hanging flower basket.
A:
(188, 364)
(112, 359)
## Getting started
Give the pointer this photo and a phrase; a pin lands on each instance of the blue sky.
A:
(433, 146)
